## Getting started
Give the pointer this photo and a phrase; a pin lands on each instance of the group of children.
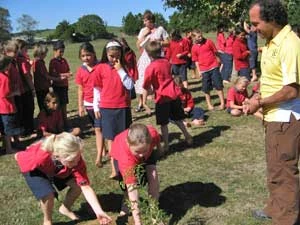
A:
(105, 90)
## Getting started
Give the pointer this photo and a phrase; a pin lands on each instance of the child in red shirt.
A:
(177, 53)
(8, 121)
(40, 74)
(241, 53)
(196, 113)
(85, 84)
(113, 84)
(132, 148)
(236, 95)
(190, 64)
(27, 97)
(50, 119)
(53, 164)
(167, 101)
(59, 71)
(204, 53)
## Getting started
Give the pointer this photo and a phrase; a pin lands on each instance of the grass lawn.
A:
(218, 181)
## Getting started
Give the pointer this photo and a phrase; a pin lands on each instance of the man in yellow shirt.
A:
(280, 79)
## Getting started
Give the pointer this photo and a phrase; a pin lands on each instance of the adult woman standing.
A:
(147, 33)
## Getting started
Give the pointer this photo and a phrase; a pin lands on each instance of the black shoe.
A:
(139, 109)
(260, 214)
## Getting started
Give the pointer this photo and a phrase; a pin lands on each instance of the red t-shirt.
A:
(131, 65)
(178, 47)
(205, 55)
(24, 69)
(126, 160)
(187, 99)
(237, 97)
(34, 157)
(15, 78)
(86, 80)
(221, 41)
(52, 122)
(113, 93)
(40, 73)
(229, 44)
(240, 54)
(56, 67)
(7, 104)
(189, 42)
(156, 75)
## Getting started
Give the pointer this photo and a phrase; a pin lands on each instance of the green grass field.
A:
(218, 181)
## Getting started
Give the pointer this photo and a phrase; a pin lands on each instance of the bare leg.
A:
(221, 97)
(113, 169)
(153, 183)
(208, 101)
(185, 83)
(165, 136)
(99, 146)
(72, 194)
(47, 204)
(7, 141)
(188, 137)
(64, 115)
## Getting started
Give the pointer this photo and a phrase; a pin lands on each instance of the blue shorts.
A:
(196, 113)
(95, 122)
(253, 59)
(62, 93)
(9, 125)
(114, 121)
(179, 70)
(245, 72)
(41, 186)
(212, 79)
(169, 110)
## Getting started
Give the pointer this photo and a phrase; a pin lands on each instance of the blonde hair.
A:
(153, 48)
(64, 145)
(240, 80)
(138, 134)
(39, 50)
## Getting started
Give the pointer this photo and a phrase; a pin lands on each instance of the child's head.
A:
(51, 101)
(87, 53)
(138, 139)
(241, 83)
(126, 47)
(153, 48)
(148, 18)
(178, 81)
(4, 62)
(23, 45)
(59, 48)
(113, 52)
(40, 51)
(11, 48)
(197, 36)
(65, 147)
(240, 33)
(175, 35)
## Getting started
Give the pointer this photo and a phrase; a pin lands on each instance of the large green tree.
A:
(27, 25)
(92, 26)
(132, 23)
(64, 31)
(5, 24)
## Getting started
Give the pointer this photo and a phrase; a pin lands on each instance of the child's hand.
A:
(103, 218)
(97, 115)
(81, 111)
(117, 64)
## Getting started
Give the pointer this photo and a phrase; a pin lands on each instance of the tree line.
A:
(189, 14)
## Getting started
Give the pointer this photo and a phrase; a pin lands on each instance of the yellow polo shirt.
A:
(280, 65)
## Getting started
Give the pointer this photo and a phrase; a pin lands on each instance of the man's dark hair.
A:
(272, 11)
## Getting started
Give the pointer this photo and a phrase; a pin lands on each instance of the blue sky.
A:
(50, 12)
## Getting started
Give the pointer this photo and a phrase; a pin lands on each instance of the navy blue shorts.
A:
(253, 59)
(245, 72)
(9, 124)
(114, 121)
(95, 122)
(196, 113)
(166, 111)
(212, 79)
(179, 70)
(41, 186)
(62, 93)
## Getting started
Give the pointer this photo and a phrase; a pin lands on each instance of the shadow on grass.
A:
(198, 140)
(178, 199)
(109, 202)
